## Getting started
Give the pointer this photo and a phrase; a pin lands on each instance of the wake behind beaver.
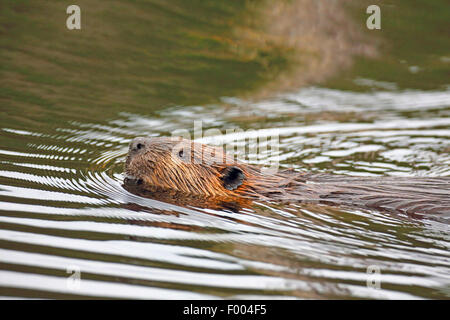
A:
(198, 170)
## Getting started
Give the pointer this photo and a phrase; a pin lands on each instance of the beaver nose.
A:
(138, 144)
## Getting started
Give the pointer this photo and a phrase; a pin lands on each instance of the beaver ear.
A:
(232, 177)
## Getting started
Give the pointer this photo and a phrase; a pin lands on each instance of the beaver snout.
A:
(138, 146)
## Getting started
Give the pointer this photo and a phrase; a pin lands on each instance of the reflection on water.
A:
(63, 204)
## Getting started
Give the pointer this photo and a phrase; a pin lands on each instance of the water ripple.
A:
(62, 204)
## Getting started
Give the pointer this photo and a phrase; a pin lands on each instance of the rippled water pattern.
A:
(63, 206)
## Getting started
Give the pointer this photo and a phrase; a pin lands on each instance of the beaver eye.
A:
(139, 146)
(181, 153)
(232, 177)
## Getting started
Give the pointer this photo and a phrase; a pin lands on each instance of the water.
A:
(63, 205)
(63, 208)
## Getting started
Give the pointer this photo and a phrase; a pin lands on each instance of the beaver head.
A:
(181, 165)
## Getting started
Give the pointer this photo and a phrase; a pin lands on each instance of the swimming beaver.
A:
(194, 169)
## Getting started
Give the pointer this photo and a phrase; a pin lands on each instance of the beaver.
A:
(167, 164)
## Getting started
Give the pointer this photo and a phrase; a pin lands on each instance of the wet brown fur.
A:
(199, 170)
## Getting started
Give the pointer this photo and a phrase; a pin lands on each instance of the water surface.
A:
(67, 116)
